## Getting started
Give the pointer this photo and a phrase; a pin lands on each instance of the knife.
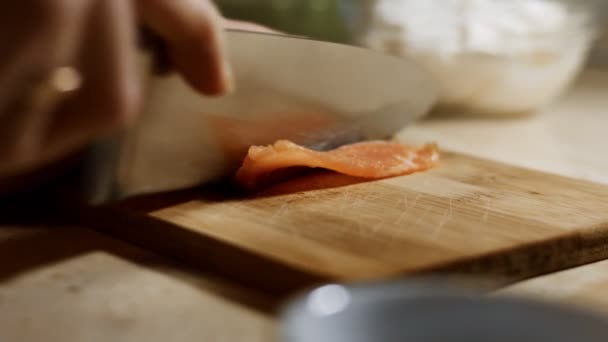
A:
(315, 93)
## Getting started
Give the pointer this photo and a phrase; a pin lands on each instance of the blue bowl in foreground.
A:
(418, 312)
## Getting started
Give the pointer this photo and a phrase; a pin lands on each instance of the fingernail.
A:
(228, 78)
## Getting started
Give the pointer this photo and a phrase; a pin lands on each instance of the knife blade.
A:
(315, 93)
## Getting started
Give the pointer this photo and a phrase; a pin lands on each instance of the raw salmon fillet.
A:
(372, 160)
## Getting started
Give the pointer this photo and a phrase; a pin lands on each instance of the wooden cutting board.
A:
(467, 215)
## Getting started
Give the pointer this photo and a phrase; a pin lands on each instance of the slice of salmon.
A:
(371, 160)
(236, 136)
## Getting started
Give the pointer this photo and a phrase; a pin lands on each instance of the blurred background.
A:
(337, 20)
(525, 50)
(323, 19)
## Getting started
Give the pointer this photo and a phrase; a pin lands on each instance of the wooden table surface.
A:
(73, 284)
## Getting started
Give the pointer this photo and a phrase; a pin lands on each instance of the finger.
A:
(25, 127)
(110, 96)
(192, 29)
(30, 51)
(27, 69)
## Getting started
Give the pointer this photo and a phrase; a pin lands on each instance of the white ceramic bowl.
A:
(495, 61)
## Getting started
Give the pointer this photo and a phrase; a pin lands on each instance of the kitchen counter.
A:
(568, 138)
(73, 284)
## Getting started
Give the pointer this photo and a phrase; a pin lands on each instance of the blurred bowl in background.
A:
(491, 57)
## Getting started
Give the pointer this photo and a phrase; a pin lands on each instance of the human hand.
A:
(86, 51)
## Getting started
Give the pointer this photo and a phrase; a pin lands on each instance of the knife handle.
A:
(99, 170)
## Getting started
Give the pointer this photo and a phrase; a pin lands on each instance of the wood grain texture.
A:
(467, 216)
(84, 293)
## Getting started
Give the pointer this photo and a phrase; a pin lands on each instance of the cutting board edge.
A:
(569, 245)
(251, 269)
(574, 248)
(268, 275)
(525, 168)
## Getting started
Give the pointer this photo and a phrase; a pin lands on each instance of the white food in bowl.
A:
(489, 56)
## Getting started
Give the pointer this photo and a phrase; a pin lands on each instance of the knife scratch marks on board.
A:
(426, 210)
(487, 210)
(213, 216)
(447, 216)
(368, 220)
(280, 213)
(402, 216)
(359, 228)
(404, 200)
(405, 210)
(408, 209)
(284, 212)
(373, 197)
(377, 227)
(354, 201)
(345, 199)
(416, 200)
(357, 201)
